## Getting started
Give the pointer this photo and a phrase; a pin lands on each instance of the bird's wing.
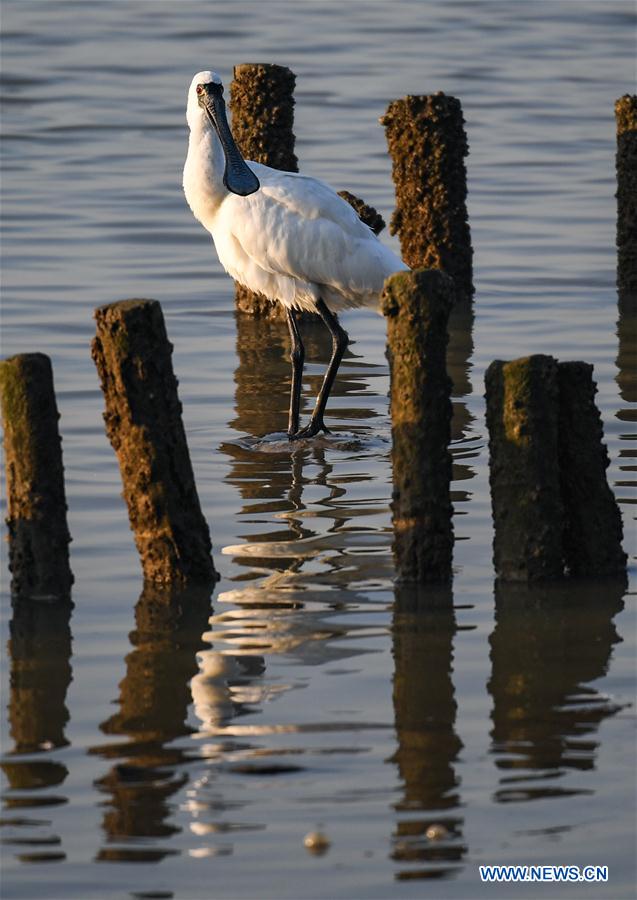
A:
(298, 226)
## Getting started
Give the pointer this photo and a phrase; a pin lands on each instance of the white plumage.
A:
(287, 236)
(295, 240)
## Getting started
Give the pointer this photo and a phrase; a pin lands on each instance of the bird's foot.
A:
(311, 430)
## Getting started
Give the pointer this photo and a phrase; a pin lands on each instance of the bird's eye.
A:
(199, 88)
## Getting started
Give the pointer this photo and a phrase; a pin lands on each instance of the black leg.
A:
(297, 356)
(339, 343)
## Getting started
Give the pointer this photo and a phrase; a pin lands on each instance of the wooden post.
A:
(36, 502)
(417, 305)
(367, 214)
(427, 143)
(143, 423)
(593, 528)
(626, 164)
(528, 513)
(553, 510)
(262, 104)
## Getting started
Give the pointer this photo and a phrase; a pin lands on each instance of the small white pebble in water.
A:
(316, 842)
(437, 833)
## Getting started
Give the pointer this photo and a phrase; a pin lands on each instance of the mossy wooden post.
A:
(417, 305)
(427, 143)
(593, 526)
(626, 164)
(528, 513)
(262, 104)
(143, 423)
(36, 503)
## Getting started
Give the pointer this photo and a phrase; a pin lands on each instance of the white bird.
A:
(284, 235)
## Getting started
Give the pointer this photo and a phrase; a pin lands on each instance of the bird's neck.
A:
(203, 174)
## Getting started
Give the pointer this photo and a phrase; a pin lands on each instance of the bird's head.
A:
(204, 80)
(207, 109)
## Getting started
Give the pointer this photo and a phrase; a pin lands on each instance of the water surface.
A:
(186, 755)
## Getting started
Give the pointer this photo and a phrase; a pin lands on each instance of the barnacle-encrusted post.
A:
(143, 423)
(262, 104)
(626, 164)
(428, 144)
(553, 511)
(593, 529)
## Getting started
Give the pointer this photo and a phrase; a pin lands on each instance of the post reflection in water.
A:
(39, 650)
(548, 645)
(429, 830)
(153, 704)
(626, 378)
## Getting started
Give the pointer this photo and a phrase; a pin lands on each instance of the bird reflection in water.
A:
(465, 444)
(295, 572)
(428, 836)
(153, 709)
(39, 650)
(311, 553)
(262, 376)
(273, 481)
(548, 645)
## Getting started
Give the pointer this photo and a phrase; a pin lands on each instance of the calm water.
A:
(187, 758)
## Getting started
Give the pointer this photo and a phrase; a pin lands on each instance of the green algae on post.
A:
(36, 501)
(626, 165)
(528, 513)
(416, 306)
(143, 423)
(427, 143)
(593, 527)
